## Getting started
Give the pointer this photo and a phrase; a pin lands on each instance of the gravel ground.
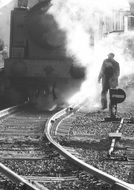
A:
(92, 124)
(52, 165)
(127, 130)
(96, 154)
(100, 160)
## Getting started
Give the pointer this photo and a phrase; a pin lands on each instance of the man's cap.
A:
(111, 54)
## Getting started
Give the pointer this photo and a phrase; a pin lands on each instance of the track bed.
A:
(26, 151)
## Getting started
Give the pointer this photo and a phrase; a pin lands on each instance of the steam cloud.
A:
(5, 10)
(81, 19)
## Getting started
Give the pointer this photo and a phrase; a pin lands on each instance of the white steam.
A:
(5, 11)
(4, 3)
(81, 19)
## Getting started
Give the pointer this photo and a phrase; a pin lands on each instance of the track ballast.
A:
(95, 162)
(26, 151)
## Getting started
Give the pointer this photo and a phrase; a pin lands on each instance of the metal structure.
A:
(37, 67)
(116, 96)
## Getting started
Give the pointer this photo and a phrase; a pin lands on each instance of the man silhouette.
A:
(109, 74)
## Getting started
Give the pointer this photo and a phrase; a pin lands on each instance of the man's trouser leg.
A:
(104, 98)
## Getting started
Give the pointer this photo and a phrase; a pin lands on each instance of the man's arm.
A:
(101, 72)
(118, 69)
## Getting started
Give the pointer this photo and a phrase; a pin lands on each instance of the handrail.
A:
(117, 183)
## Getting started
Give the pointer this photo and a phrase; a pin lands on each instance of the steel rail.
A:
(16, 178)
(11, 110)
(115, 182)
(8, 172)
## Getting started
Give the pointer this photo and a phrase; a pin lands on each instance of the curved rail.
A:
(50, 126)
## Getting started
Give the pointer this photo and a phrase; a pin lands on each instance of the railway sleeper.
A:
(115, 182)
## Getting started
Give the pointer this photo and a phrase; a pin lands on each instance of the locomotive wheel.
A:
(42, 99)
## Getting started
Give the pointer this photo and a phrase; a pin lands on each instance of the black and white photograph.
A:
(66, 94)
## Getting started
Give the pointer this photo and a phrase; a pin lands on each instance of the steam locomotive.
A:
(38, 69)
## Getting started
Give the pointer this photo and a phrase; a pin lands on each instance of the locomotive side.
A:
(38, 69)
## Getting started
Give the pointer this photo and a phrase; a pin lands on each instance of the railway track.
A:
(27, 159)
(35, 164)
(58, 128)
(20, 133)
